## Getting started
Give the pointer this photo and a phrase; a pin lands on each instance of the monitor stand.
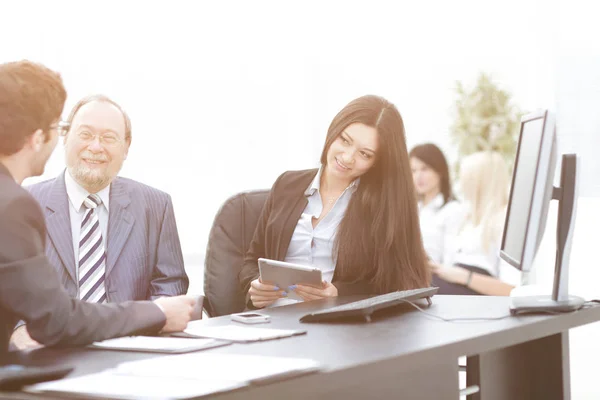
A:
(544, 304)
(559, 301)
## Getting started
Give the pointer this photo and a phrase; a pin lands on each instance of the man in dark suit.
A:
(31, 101)
(137, 234)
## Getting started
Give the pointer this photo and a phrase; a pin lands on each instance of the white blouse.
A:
(315, 246)
(440, 224)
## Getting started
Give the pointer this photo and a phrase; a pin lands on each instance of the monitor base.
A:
(544, 304)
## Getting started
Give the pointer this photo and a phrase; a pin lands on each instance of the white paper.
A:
(107, 384)
(180, 376)
(216, 366)
(150, 343)
(236, 333)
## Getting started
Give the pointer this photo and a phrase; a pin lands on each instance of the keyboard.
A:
(364, 308)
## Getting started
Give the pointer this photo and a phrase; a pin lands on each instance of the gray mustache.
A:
(92, 158)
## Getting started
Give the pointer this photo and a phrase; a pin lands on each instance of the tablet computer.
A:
(284, 274)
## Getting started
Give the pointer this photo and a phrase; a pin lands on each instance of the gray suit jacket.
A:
(143, 254)
(30, 289)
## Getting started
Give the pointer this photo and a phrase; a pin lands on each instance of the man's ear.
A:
(64, 133)
(37, 140)
(127, 144)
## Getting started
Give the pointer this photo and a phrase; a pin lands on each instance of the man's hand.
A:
(21, 340)
(312, 293)
(177, 310)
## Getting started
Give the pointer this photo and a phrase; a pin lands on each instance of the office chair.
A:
(229, 239)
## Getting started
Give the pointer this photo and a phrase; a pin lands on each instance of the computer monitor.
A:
(530, 194)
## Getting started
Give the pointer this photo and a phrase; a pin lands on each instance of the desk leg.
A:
(538, 369)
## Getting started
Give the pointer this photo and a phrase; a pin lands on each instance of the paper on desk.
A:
(236, 333)
(181, 376)
(127, 387)
(218, 366)
(154, 344)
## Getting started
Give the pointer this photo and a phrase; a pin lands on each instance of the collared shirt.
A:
(315, 246)
(440, 224)
(77, 195)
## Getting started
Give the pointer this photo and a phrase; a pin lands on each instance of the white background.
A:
(224, 96)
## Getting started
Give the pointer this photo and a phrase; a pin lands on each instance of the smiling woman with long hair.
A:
(355, 217)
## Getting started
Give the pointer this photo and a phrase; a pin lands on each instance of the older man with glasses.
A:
(111, 239)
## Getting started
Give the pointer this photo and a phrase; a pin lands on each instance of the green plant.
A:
(486, 119)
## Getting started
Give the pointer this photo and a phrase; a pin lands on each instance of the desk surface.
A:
(402, 332)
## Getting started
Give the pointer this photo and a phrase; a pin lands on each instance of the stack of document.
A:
(236, 333)
(180, 376)
(108, 385)
(153, 344)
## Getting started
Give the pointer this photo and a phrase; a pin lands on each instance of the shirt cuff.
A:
(160, 307)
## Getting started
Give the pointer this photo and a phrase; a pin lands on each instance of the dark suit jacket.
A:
(143, 254)
(30, 289)
(276, 225)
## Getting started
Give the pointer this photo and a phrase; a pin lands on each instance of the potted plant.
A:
(486, 119)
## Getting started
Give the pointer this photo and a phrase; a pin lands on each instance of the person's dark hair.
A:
(379, 238)
(431, 155)
(32, 97)
(101, 98)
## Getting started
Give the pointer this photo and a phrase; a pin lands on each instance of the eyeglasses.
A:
(109, 139)
(61, 126)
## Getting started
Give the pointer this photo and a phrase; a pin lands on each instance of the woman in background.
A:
(476, 267)
(439, 213)
(355, 217)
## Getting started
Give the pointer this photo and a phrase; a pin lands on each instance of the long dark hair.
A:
(431, 155)
(379, 238)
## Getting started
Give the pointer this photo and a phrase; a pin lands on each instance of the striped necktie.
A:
(92, 256)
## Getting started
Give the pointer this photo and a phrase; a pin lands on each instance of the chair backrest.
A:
(229, 239)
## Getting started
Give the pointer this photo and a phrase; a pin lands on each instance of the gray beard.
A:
(90, 180)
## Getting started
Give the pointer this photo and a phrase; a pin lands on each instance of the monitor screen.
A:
(530, 190)
(524, 179)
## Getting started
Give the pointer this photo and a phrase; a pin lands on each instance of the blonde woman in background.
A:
(476, 267)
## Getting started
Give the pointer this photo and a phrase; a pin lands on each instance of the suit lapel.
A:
(120, 222)
(58, 223)
(290, 225)
(298, 202)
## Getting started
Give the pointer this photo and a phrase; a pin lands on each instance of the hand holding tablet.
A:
(284, 275)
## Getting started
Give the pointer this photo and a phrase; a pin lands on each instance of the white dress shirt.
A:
(440, 224)
(315, 246)
(77, 195)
